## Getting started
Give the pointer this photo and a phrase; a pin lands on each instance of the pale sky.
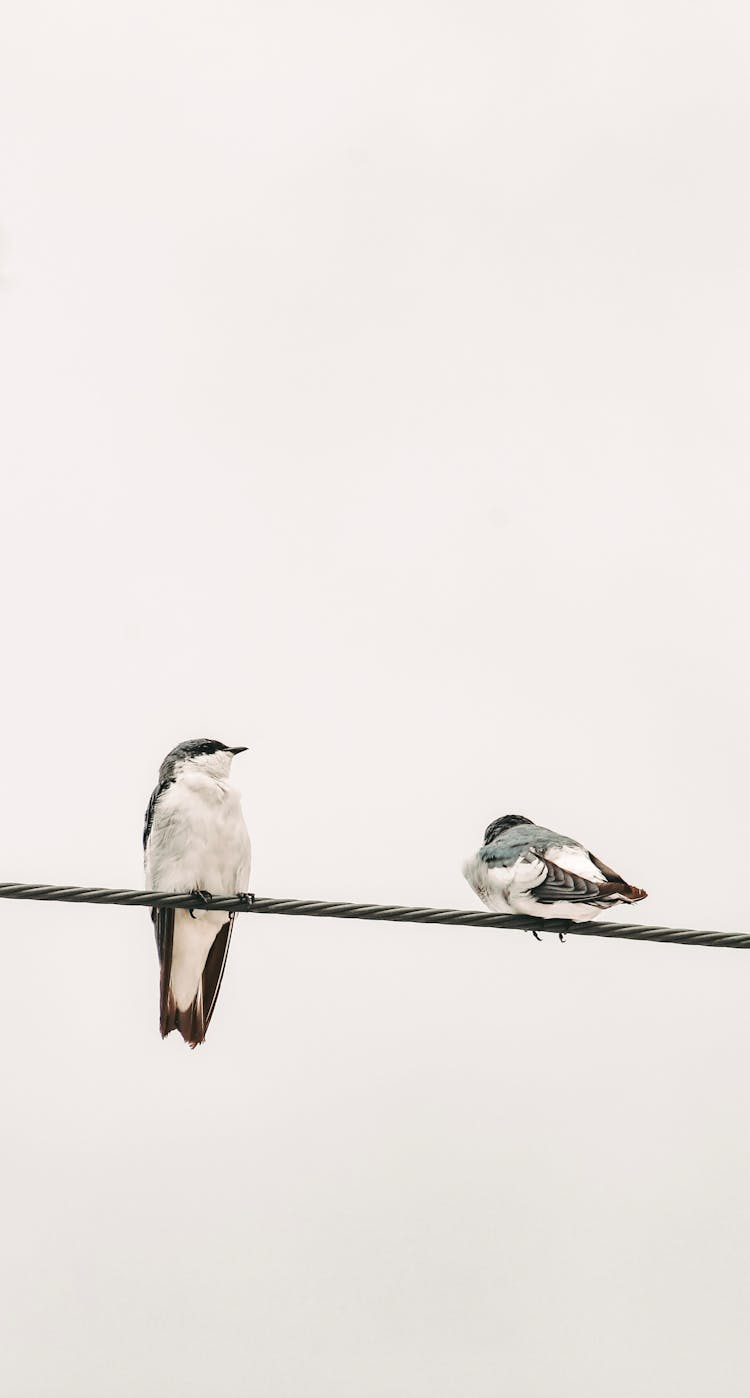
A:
(375, 395)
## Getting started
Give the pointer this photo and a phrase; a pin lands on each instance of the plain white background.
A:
(374, 389)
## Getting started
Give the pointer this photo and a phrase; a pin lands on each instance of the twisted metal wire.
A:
(375, 912)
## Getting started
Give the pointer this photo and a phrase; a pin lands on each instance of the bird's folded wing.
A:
(605, 869)
(151, 810)
(163, 919)
(567, 885)
(214, 969)
(562, 885)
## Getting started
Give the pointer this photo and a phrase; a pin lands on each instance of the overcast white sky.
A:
(374, 389)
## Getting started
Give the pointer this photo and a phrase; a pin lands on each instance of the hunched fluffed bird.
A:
(195, 841)
(526, 868)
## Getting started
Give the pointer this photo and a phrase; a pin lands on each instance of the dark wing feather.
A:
(560, 885)
(617, 884)
(149, 820)
(164, 932)
(151, 808)
(214, 969)
(604, 868)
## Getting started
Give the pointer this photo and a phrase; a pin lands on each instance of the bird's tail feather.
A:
(561, 885)
(193, 1021)
(622, 892)
(189, 1023)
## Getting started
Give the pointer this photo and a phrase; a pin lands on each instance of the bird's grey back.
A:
(512, 843)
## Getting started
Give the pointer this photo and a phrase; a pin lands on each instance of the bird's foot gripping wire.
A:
(203, 895)
(246, 899)
(535, 934)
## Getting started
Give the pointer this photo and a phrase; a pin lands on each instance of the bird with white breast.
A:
(528, 869)
(195, 841)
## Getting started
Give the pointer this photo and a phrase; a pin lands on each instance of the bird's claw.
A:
(561, 935)
(203, 896)
(246, 899)
(535, 934)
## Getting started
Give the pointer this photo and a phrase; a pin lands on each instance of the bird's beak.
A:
(235, 751)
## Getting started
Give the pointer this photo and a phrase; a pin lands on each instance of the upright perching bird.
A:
(526, 868)
(195, 841)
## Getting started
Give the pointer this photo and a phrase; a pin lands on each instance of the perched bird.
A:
(195, 841)
(525, 868)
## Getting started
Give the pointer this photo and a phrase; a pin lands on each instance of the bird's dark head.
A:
(206, 754)
(503, 823)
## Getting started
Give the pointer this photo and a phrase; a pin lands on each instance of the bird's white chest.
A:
(198, 838)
